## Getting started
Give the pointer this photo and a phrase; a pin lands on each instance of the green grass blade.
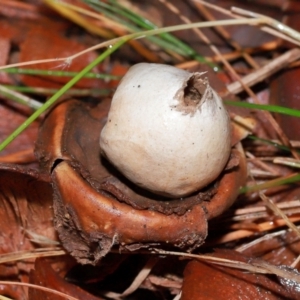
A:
(268, 142)
(51, 91)
(103, 8)
(148, 25)
(270, 184)
(61, 92)
(58, 73)
(135, 23)
(19, 98)
(271, 108)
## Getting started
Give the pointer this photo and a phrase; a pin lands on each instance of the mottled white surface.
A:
(156, 145)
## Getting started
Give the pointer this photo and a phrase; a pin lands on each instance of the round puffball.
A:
(167, 130)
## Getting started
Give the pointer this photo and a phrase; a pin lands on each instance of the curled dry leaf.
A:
(34, 32)
(37, 46)
(227, 283)
(15, 114)
(279, 248)
(46, 275)
(96, 208)
(284, 91)
(25, 205)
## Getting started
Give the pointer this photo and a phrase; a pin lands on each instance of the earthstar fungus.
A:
(97, 208)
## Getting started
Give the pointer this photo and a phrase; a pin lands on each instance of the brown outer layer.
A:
(228, 189)
(54, 136)
(89, 223)
(96, 213)
(48, 146)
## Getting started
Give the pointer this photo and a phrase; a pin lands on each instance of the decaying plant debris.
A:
(75, 204)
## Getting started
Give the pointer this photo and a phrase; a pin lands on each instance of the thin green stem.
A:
(50, 91)
(61, 92)
(58, 73)
(270, 184)
(146, 24)
(268, 142)
(102, 8)
(134, 23)
(271, 108)
(19, 98)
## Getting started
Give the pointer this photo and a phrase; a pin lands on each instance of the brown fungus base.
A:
(96, 208)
